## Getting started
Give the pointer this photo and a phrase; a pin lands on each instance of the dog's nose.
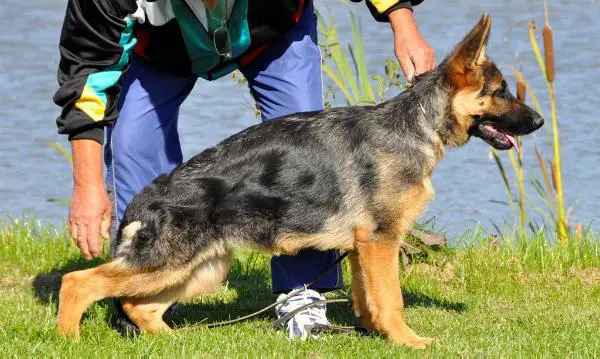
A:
(538, 121)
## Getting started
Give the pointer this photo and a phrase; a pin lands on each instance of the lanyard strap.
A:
(217, 17)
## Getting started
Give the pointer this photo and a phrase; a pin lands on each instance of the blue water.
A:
(466, 182)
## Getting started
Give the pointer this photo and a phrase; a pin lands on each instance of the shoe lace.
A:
(316, 313)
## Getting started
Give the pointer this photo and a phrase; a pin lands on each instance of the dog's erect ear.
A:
(472, 49)
(470, 54)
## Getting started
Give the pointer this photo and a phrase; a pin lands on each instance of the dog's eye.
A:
(501, 91)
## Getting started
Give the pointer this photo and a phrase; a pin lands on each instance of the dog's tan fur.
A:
(147, 312)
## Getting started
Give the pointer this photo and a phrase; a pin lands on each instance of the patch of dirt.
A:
(515, 263)
(6, 283)
(11, 283)
(445, 273)
(589, 276)
(12, 278)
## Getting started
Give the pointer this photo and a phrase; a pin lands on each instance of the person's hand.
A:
(89, 218)
(414, 53)
(90, 210)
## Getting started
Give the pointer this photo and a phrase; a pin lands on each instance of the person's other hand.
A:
(89, 218)
(90, 210)
(414, 53)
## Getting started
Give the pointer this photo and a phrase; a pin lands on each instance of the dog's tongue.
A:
(512, 141)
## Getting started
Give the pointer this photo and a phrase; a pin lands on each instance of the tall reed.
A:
(550, 76)
(546, 66)
(551, 191)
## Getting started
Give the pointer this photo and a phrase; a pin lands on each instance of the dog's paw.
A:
(414, 342)
(68, 331)
(420, 343)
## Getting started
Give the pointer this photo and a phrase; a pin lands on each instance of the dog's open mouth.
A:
(496, 138)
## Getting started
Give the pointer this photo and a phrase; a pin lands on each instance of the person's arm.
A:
(94, 46)
(95, 42)
(415, 55)
(90, 210)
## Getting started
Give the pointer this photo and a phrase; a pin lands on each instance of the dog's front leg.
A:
(376, 288)
(359, 303)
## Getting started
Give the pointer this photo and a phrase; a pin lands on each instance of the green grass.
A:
(520, 299)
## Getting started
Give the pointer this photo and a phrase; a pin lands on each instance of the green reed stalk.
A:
(60, 149)
(546, 65)
(498, 161)
(520, 173)
(517, 163)
(547, 171)
(544, 170)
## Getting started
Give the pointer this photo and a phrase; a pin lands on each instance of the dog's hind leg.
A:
(377, 260)
(147, 312)
(82, 288)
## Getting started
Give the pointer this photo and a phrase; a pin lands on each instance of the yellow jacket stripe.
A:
(91, 104)
(383, 5)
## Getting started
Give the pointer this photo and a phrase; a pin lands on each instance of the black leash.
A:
(280, 322)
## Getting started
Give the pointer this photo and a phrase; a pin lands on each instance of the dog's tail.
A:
(169, 229)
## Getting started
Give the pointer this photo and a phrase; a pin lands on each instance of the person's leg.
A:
(144, 142)
(285, 79)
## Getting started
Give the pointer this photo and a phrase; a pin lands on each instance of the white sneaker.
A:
(301, 324)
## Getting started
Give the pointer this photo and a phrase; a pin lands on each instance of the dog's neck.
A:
(430, 99)
(425, 108)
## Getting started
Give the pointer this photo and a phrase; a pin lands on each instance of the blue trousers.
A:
(144, 141)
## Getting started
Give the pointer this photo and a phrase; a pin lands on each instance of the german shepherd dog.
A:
(353, 179)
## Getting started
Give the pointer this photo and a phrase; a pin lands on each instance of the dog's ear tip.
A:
(485, 21)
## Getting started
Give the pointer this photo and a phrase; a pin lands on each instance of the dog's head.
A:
(481, 104)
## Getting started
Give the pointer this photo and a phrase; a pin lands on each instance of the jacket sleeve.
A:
(96, 38)
(380, 9)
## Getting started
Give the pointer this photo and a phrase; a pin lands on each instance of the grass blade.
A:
(360, 63)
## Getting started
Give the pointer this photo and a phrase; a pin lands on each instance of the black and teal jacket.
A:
(98, 37)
